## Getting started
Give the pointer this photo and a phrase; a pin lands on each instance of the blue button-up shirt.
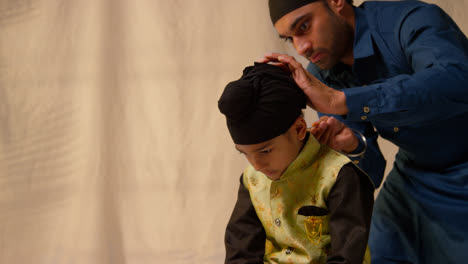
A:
(409, 84)
(409, 81)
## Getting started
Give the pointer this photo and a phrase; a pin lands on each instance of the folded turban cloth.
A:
(262, 104)
(279, 8)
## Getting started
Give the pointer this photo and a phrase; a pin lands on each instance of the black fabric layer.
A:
(262, 104)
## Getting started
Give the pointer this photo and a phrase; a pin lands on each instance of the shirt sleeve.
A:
(350, 202)
(372, 160)
(436, 52)
(245, 236)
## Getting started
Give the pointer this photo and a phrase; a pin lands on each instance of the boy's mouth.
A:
(271, 174)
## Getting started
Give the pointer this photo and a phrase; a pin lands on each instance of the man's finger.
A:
(336, 125)
(272, 57)
(317, 132)
(324, 130)
(269, 57)
(262, 60)
(327, 136)
(323, 118)
(290, 60)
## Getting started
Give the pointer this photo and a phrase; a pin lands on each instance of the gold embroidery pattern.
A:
(275, 192)
(314, 199)
(313, 227)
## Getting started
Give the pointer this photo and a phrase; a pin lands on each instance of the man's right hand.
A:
(322, 98)
(329, 131)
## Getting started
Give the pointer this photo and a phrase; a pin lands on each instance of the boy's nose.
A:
(258, 164)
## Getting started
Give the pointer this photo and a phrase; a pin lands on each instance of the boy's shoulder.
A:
(313, 157)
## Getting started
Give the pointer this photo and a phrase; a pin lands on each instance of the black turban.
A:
(262, 104)
(279, 8)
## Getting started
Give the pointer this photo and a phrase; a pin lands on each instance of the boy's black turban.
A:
(262, 104)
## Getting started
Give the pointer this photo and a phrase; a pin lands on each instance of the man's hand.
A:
(321, 97)
(329, 131)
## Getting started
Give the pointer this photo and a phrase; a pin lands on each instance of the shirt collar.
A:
(363, 47)
(341, 76)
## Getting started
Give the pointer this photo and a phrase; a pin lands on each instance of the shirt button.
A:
(366, 109)
(356, 161)
(363, 117)
(289, 250)
(396, 129)
(277, 222)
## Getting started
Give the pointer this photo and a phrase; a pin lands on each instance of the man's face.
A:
(317, 33)
(273, 157)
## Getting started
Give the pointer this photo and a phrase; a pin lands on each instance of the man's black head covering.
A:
(262, 104)
(279, 8)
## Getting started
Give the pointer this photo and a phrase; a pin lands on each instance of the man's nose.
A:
(302, 45)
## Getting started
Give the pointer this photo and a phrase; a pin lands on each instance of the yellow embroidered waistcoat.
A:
(294, 238)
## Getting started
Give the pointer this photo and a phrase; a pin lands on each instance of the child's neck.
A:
(304, 141)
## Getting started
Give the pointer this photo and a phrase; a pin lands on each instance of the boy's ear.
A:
(300, 127)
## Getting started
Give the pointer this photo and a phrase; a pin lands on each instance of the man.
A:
(399, 70)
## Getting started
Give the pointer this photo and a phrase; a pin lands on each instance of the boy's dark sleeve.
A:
(245, 236)
(350, 202)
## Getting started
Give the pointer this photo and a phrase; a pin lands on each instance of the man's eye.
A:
(288, 39)
(266, 151)
(304, 26)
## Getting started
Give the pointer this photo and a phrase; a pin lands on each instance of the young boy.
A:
(298, 201)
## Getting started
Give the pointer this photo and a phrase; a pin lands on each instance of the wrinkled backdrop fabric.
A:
(112, 149)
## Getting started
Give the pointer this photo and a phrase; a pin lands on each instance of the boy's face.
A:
(273, 157)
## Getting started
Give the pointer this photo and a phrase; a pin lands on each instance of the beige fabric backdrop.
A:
(112, 149)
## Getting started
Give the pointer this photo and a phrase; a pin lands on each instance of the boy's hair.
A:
(262, 104)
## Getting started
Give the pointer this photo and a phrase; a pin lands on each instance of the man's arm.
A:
(437, 53)
(338, 135)
(245, 236)
(350, 203)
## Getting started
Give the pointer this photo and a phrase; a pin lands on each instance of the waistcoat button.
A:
(277, 222)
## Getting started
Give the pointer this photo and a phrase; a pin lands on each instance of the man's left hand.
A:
(329, 131)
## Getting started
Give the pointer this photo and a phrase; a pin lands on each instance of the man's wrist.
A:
(338, 105)
(354, 145)
(362, 145)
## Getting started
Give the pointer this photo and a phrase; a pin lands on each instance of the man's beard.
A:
(342, 37)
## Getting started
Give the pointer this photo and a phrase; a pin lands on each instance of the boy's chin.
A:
(273, 176)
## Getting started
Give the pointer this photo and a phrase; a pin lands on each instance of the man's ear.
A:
(300, 127)
(337, 6)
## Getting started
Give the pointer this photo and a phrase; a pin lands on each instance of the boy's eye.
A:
(266, 151)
